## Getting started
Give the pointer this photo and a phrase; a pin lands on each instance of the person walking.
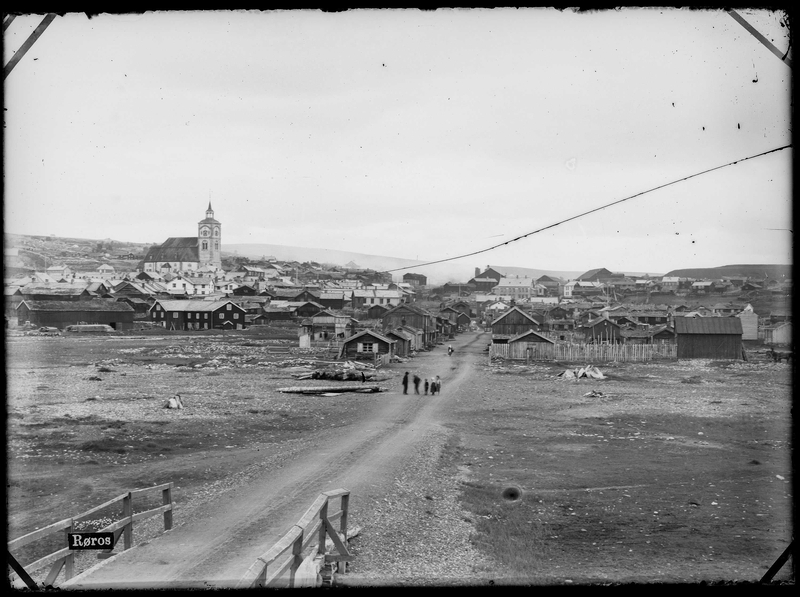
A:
(433, 387)
(450, 350)
(426, 385)
(438, 383)
(405, 383)
(416, 384)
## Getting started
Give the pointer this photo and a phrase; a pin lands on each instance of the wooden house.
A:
(365, 345)
(377, 311)
(404, 341)
(602, 330)
(511, 323)
(194, 314)
(245, 290)
(416, 317)
(59, 314)
(650, 335)
(333, 299)
(709, 337)
(529, 337)
(463, 321)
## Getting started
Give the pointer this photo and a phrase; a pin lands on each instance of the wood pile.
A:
(361, 388)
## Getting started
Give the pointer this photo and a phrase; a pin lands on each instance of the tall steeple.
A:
(209, 239)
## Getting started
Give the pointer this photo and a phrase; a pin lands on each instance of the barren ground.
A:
(674, 472)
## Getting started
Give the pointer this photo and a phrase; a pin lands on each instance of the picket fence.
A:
(540, 351)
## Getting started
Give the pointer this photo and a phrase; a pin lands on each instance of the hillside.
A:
(757, 271)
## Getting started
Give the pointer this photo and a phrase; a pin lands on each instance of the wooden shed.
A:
(709, 337)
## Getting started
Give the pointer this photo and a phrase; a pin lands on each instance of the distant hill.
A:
(451, 271)
(436, 274)
(757, 271)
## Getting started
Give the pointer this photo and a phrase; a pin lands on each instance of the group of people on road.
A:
(434, 385)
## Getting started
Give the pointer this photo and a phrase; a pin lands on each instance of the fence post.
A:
(127, 512)
(344, 506)
(297, 558)
(166, 498)
(323, 515)
(69, 561)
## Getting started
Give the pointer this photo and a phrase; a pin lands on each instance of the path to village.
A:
(225, 537)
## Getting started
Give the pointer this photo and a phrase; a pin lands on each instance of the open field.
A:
(671, 472)
(678, 472)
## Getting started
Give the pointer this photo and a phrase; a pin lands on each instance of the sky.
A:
(419, 135)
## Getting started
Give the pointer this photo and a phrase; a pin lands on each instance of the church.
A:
(189, 254)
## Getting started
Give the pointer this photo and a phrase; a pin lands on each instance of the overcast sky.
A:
(421, 135)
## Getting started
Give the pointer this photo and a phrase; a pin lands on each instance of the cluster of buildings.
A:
(520, 284)
(182, 285)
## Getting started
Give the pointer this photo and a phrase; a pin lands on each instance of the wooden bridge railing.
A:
(292, 550)
(65, 558)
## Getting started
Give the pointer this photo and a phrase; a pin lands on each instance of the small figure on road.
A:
(426, 385)
(450, 350)
(405, 383)
(416, 384)
(438, 383)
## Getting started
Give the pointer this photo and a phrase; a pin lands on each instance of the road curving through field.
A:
(215, 543)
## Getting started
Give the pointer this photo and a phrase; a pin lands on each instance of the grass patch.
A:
(507, 530)
(104, 445)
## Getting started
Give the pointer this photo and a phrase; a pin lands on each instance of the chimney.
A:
(477, 272)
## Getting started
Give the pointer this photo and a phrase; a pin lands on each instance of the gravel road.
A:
(412, 529)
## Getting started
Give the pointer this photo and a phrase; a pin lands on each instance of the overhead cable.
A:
(580, 215)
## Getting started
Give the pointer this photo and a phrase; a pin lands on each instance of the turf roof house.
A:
(60, 314)
(194, 314)
(512, 323)
(709, 337)
(366, 345)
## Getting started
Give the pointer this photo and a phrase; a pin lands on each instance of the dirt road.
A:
(214, 544)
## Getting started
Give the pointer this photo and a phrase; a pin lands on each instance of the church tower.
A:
(209, 240)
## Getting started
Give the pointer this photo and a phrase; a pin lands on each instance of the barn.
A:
(709, 337)
(59, 314)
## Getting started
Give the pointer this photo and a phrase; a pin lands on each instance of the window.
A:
(205, 245)
(222, 315)
(236, 316)
(216, 245)
(367, 347)
(175, 315)
(205, 315)
(228, 307)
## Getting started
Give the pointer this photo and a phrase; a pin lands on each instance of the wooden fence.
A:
(303, 547)
(594, 353)
(65, 558)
